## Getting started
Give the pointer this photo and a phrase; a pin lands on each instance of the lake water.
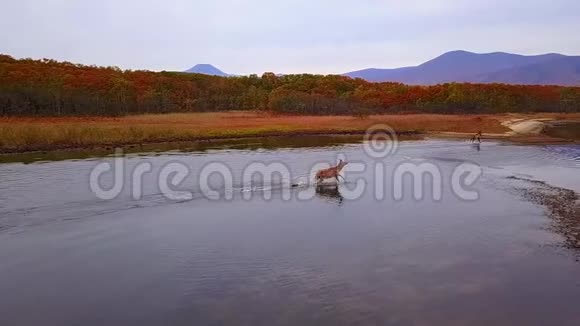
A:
(318, 258)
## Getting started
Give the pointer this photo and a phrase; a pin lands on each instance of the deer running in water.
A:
(476, 137)
(333, 172)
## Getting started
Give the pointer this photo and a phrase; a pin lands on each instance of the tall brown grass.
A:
(27, 134)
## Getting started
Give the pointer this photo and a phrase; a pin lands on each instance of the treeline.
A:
(50, 88)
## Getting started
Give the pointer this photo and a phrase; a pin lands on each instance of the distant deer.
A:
(333, 172)
(476, 137)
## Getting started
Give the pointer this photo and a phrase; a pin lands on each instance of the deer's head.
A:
(341, 165)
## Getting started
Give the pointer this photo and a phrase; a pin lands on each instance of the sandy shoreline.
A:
(521, 130)
(562, 206)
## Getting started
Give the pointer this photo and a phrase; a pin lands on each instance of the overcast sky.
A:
(318, 36)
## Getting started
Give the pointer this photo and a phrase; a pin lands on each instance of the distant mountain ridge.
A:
(206, 69)
(500, 67)
(464, 66)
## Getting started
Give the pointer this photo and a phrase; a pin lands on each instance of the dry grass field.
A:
(20, 134)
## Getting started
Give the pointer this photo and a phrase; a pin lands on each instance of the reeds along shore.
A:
(20, 134)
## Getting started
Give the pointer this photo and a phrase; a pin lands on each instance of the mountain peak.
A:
(464, 66)
(456, 52)
(206, 69)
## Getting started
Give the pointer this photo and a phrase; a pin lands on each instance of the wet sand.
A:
(562, 206)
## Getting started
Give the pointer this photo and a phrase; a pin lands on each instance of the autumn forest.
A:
(50, 88)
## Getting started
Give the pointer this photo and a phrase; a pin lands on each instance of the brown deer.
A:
(476, 137)
(333, 172)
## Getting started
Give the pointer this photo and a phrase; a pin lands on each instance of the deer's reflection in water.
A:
(330, 193)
